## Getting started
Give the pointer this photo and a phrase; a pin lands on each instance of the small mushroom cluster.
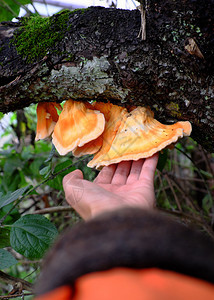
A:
(108, 131)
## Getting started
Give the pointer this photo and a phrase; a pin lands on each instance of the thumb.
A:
(73, 187)
(69, 178)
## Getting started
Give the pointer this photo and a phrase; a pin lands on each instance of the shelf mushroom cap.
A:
(93, 146)
(77, 125)
(116, 117)
(89, 148)
(139, 136)
(47, 117)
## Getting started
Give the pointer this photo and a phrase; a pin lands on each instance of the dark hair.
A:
(130, 237)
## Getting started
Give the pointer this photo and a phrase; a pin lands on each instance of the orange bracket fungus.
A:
(112, 114)
(46, 119)
(138, 136)
(109, 131)
(78, 125)
(89, 148)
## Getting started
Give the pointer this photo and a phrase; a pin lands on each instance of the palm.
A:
(128, 183)
(134, 193)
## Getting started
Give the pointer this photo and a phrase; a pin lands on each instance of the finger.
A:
(77, 174)
(106, 174)
(148, 169)
(135, 171)
(73, 187)
(121, 173)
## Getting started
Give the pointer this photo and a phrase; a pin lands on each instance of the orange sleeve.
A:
(126, 284)
(61, 293)
(147, 284)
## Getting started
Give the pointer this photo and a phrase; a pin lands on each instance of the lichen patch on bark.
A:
(93, 77)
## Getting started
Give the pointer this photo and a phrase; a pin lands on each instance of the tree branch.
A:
(51, 210)
(15, 296)
(13, 280)
(95, 54)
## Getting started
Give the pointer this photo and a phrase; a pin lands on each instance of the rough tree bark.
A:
(98, 55)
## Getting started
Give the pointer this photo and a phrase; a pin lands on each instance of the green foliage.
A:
(162, 160)
(9, 213)
(207, 203)
(6, 259)
(4, 238)
(184, 187)
(12, 196)
(38, 35)
(32, 235)
(21, 174)
(21, 168)
(56, 183)
(10, 9)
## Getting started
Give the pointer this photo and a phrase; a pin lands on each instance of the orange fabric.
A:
(61, 293)
(150, 284)
(131, 284)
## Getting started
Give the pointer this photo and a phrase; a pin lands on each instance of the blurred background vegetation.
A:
(184, 180)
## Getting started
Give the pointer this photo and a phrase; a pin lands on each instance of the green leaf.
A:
(63, 165)
(11, 182)
(4, 238)
(6, 259)
(51, 155)
(12, 196)
(42, 146)
(12, 217)
(207, 203)
(206, 174)
(162, 160)
(12, 164)
(32, 235)
(35, 166)
(10, 9)
(45, 170)
(56, 183)
(27, 153)
(1, 115)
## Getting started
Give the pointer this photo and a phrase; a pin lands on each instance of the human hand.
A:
(129, 183)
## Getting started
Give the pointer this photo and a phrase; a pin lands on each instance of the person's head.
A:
(129, 238)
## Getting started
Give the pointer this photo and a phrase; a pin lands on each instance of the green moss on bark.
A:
(38, 35)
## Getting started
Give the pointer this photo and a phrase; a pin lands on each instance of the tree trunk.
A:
(96, 54)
